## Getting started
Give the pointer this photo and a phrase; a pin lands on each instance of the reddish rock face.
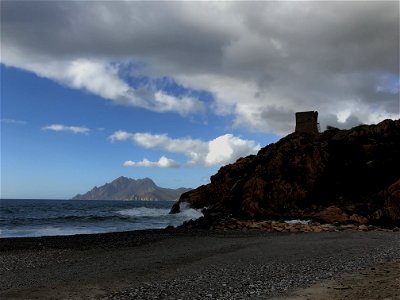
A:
(302, 175)
(392, 203)
(332, 214)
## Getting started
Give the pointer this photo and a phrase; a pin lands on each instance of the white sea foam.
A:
(160, 217)
(297, 221)
(190, 213)
(45, 231)
(185, 212)
(144, 212)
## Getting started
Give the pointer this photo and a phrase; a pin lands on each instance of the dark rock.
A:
(332, 214)
(302, 175)
(392, 203)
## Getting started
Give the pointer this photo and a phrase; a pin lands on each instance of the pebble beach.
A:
(201, 264)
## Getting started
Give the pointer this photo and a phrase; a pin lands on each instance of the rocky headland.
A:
(347, 178)
(124, 188)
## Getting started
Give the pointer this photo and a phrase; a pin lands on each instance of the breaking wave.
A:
(46, 218)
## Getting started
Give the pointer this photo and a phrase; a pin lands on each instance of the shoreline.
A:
(136, 237)
(85, 241)
(193, 226)
(185, 264)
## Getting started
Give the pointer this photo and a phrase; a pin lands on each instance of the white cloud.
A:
(73, 129)
(120, 136)
(101, 78)
(185, 105)
(96, 77)
(227, 148)
(163, 162)
(13, 121)
(219, 151)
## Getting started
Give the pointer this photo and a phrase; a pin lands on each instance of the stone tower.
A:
(307, 121)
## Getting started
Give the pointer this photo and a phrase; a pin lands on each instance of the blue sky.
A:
(92, 90)
(40, 163)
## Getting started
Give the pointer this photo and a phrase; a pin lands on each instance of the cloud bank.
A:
(261, 61)
(219, 151)
(73, 129)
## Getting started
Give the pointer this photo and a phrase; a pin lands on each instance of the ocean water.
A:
(33, 218)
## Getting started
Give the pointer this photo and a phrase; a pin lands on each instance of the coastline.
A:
(186, 264)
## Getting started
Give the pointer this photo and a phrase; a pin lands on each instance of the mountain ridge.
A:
(124, 188)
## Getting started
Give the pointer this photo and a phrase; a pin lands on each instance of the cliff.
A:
(345, 176)
(124, 188)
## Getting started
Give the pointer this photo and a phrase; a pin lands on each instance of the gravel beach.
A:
(182, 264)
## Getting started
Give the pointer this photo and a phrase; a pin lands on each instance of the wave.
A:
(84, 221)
(144, 212)
(45, 231)
(186, 213)
(191, 214)
(139, 214)
(62, 219)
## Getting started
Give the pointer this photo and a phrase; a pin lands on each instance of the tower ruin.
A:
(307, 122)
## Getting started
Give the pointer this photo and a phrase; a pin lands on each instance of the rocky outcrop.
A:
(392, 203)
(232, 224)
(124, 188)
(333, 214)
(345, 176)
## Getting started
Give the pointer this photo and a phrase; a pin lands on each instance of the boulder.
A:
(332, 214)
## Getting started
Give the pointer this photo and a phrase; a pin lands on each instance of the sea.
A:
(35, 218)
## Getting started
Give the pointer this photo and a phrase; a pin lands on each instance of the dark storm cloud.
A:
(261, 60)
(116, 29)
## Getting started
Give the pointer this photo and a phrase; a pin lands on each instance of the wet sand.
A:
(179, 264)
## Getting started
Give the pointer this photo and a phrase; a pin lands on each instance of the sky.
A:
(94, 90)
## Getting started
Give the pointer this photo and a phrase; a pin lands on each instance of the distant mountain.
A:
(124, 188)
